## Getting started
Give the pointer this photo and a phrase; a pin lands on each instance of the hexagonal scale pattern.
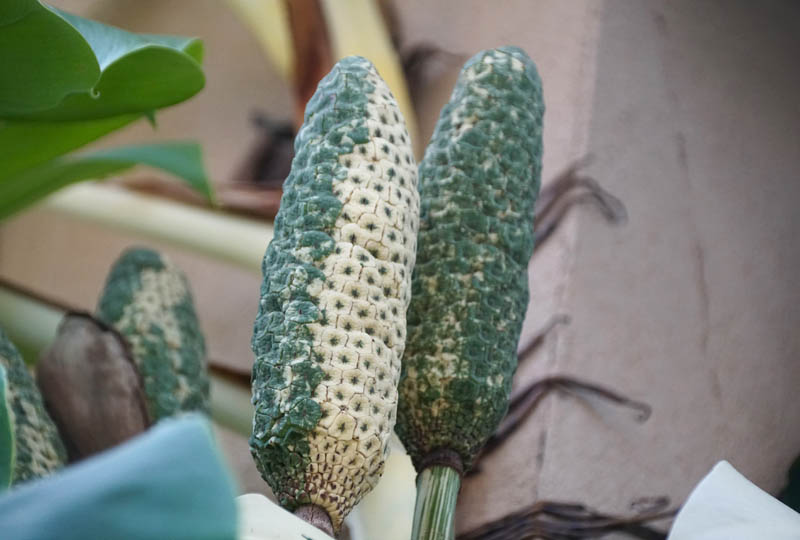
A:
(147, 300)
(331, 329)
(478, 182)
(38, 446)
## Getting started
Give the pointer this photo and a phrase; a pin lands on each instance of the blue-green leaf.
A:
(168, 483)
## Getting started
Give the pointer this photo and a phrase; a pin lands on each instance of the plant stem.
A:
(228, 238)
(30, 325)
(316, 516)
(434, 514)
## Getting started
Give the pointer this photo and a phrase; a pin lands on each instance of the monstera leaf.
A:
(69, 68)
(181, 159)
(67, 81)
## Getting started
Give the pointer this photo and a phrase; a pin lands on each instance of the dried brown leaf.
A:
(91, 387)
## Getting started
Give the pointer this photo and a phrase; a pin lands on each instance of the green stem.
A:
(224, 237)
(30, 325)
(434, 514)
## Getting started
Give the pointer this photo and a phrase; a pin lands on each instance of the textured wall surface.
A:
(693, 306)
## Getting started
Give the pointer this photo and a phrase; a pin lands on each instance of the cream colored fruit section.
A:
(152, 305)
(360, 340)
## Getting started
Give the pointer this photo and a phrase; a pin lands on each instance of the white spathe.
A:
(727, 506)
(262, 519)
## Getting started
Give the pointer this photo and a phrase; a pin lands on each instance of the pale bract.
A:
(727, 506)
(262, 519)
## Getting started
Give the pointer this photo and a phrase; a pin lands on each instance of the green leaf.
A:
(68, 81)
(179, 158)
(7, 457)
(168, 483)
(68, 68)
(183, 159)
(47, 59)
(25, 144)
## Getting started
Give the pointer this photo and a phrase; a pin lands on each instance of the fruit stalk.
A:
(437, 492)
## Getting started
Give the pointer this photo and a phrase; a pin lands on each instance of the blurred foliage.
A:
(68, 81)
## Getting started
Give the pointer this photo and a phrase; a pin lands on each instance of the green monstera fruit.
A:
(148, 301)
(479, 181)
(331, 328)
(36, 449)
